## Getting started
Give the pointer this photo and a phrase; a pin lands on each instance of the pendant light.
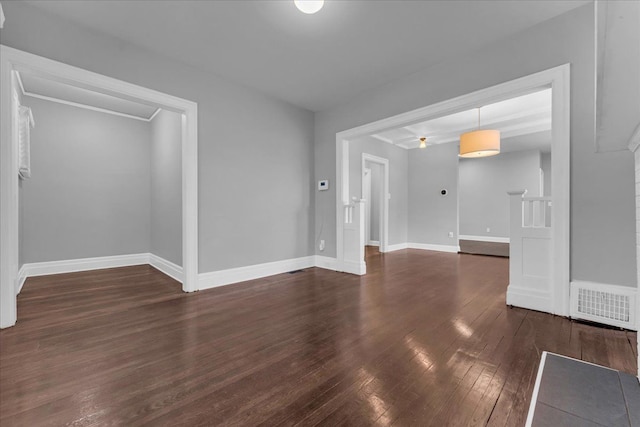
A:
(309, 6)
(480, 142)
(423, 142)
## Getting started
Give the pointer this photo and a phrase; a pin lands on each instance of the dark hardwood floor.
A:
(424, 339)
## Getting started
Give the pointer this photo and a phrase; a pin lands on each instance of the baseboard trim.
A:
(355, 267)
(529, 298)
(490, 239)
(167, 267)
(22, 277)
(373, 243)
(326, 262)
(83, 264)
(396, 247)
(628, 291)
(432, 247)
(214, 279)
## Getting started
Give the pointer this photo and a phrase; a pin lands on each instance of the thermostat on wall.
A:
(323, 184)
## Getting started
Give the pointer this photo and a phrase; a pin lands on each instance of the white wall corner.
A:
(167, 267)
(214, 279)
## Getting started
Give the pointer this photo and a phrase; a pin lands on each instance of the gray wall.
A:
(255, 153)
(88, 194)
(398, 184)
(431, 215)
(484, 183)
(602, 220)
(166, 186)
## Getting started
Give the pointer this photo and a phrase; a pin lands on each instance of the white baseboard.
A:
(373, 243)
(396, 247)
(241, 274)
(22, 277)
(359, 268)
(620, 291)
(484, 238)
(431, 247)
(83, 264)
(529, 298)
(326, 262)
(97, 263)
(167, 267)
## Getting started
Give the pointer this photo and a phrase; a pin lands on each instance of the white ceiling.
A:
(41, 87)
(527, 115)
(313, 61)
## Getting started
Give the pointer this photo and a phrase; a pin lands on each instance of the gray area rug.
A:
(571, 392)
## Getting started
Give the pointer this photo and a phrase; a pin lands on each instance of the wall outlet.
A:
(451, 234)
(321, 246)
(488, 230)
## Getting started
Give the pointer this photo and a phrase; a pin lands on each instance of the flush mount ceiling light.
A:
(480, 143)
(423, 142)
(309, 6)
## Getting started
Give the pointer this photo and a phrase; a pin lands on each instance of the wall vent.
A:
(608, 304)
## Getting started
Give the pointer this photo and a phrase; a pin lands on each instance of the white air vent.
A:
(608, 304)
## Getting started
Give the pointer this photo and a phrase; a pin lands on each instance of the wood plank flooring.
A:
(424, 339)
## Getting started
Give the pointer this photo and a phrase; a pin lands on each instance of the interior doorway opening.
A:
(12, 62)
(553, 295)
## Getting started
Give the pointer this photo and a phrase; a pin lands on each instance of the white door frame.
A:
(366, 195)
(558, 78)
(384, 214)
(15, 60)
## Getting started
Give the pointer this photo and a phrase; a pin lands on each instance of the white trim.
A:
(359, 268)
(155, 113)
(375, 243)
(384, 217)
(85, 106)
(434, 247)
(559, 79)
(326, 262)
(397, 247)
(491, 239)
(631, 292)
(529, 298)
(167, 267)
(19, 79)
(83, 264)
(241, 274)
(536, 390)
(22, 277)
(15, 60)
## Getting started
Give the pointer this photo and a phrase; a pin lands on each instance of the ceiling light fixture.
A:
(480, 143)
(309, 6)
(423, 142)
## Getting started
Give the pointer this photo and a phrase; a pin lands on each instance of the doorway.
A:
(554, 296)
(375, 193)
(12, 61)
